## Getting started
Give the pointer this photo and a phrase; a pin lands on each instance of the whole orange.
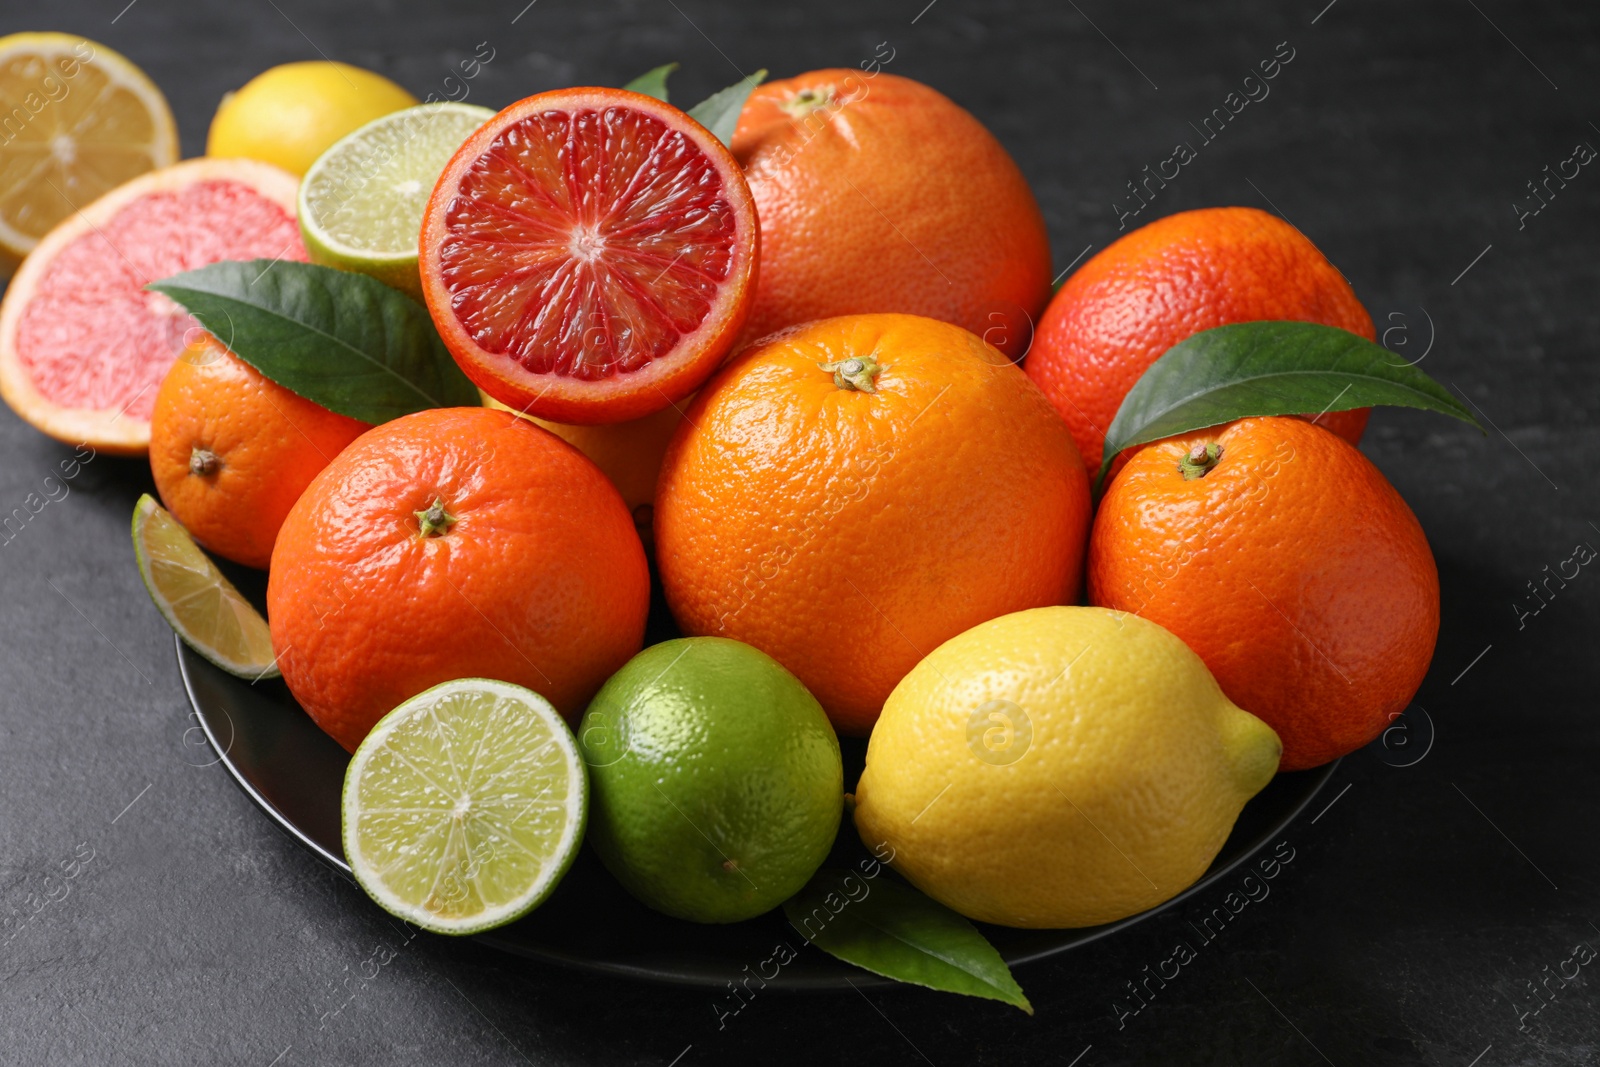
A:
(1288, 563)
(878, 193)
(629, 453)
(454, 543)
(1164, 283)
(851, 493)
(232, 451)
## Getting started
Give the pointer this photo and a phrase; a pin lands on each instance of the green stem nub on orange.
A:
(434, 521)
(1199, 460)
(203, 461)
(806, 101)
(859, 374)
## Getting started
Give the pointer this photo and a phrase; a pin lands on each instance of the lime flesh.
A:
(464, 806)
(361, 203)
(197, 600)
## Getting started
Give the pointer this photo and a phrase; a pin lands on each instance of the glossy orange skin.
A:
(847, 534)
(1164, 283)
(1293, 568)
(269, 443)
(619, 397)
(889, 198)
(541, 581)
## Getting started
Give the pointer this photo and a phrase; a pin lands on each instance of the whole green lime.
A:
(715, 781)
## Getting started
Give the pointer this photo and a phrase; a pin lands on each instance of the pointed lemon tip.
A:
(1253, 749)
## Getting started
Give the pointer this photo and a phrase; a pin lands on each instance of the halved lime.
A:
(361, 203)
(197, 601)
(464, 806)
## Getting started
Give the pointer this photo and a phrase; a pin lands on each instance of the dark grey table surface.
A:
(1421, 908)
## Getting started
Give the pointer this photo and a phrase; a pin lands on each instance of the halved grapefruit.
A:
(83, 347)
(589, 255)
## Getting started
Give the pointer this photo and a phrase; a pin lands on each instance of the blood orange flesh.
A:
(589, 255)
(83, 346)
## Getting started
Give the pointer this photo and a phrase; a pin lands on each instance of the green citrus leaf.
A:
(1267, 368)
(337, 338)
(653, 82)
(719, 112)
(886, 927)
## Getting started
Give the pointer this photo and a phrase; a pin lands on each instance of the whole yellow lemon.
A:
(1059, 767)
(291, 114)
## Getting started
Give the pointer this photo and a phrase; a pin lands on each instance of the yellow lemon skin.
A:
(291, 114)
(1059, 767)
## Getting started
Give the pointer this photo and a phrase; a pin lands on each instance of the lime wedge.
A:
(464, 806)
(361, 203)
(197, 601)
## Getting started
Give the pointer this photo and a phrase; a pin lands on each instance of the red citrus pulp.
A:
(589, 255)
(83, 345)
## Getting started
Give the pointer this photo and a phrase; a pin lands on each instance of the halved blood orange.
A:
(589, 255)
(83, 346)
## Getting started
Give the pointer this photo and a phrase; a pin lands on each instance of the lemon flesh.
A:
(198, 602)
(78, 120)
(1059, 767)
(464, 806)
(362, 201)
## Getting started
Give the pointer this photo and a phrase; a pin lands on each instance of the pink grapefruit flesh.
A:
(83, 346)
(589, 255)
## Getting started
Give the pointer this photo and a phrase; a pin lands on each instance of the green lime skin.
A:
(716, 786)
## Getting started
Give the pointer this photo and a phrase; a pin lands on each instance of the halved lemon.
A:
(76, 120)
(196, 599)
(465, 805)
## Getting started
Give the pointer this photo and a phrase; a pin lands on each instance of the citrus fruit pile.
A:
(470, 384)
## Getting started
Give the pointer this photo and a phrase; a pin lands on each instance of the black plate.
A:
(295, 773)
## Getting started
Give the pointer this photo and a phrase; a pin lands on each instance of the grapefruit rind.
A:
(114, 432)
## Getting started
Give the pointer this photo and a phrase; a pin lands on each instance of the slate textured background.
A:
(1417, 908)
